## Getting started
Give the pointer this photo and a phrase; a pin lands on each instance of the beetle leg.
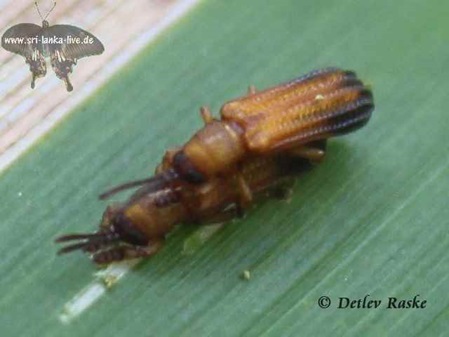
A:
(166, 198)
(152, 248)
(283, 191)
(117, 254)
(246, 196)
(206, 115)
(251, 90)
(314, 151)
(224, 216)
(312, 154)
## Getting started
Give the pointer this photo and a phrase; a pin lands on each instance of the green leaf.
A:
(371, 220)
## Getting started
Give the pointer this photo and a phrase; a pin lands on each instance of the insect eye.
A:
(194, 177)
(127, 231)
(186, 170)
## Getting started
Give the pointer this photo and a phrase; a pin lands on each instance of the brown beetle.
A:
(137, 228)
(264, 133)
(319, 105)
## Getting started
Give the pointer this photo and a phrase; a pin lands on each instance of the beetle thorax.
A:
(216, 148)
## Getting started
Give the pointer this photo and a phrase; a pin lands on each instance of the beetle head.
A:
(185, 169)
(116, 232)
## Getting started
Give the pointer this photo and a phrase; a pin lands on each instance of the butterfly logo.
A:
(63, 44)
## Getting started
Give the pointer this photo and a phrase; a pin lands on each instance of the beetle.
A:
(324, 103)
(212, 176)
(137, 227)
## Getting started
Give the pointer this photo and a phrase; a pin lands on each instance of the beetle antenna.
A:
(72, 237)
(48, 13)
(89, 242)
(75, 246)
(124, 187)
(153, 184)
